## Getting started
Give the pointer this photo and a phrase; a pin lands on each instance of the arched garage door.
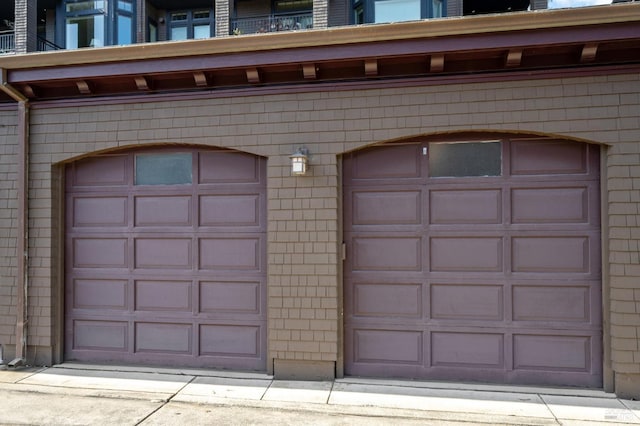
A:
(165, 259)
(474, 260)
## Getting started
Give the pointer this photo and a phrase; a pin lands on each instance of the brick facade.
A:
(304, 213)
(25, 26)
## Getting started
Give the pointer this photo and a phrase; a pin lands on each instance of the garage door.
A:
(165, 259)
(474, 260)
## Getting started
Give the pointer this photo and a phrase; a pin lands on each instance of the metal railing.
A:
(272, 23)
(7, 42)
(45, 45)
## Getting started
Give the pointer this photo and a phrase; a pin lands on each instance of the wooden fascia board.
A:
(541, 21)
(319, 54)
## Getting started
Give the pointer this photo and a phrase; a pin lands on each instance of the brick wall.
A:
(222, 13)
(320, 13)
(25, 25)
(304, 284)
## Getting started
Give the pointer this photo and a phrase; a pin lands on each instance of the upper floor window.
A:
(85, 23)
(292, 6)
(382, 11)
(191, 24)
(124, 25)
(97, 23)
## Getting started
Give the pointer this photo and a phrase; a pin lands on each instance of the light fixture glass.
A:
(299, 162)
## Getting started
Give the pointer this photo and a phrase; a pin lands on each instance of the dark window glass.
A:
(191, 24)
(163, 169)
(465, 159)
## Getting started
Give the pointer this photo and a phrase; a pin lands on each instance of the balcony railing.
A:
(45, 45)
(7, 42)
(272, 23)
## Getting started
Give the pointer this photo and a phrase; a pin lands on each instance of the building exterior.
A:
(469, 211)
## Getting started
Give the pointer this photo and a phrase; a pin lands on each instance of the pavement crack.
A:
(330, 392)
(549, 408)
(165, 402)
(266, 390)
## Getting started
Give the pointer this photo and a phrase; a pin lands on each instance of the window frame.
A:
(190, 23)
(110, 13)
(368, 8)
(131, 14)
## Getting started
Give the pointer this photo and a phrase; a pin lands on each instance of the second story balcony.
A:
(272, 23)
(7, 42)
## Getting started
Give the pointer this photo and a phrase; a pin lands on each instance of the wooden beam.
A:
(309, 71)
(436, 63)
(83, 87)
(200, 78)
(589, 52)
(514, 58)
(252, 75)
(371, 67)
(142, 83)
(28, 90)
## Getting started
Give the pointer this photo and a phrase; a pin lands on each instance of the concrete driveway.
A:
(79, 394)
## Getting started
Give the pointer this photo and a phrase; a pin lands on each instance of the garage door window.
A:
(164, 169)
(465, 159)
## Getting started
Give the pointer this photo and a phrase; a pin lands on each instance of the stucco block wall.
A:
(8, 225)
(304, 213)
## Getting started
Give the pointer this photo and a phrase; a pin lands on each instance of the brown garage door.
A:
(475, 260)
(165, 259)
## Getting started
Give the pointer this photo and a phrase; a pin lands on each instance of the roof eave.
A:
(335, 36)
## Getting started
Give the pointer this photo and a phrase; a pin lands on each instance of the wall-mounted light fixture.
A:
(299, 162)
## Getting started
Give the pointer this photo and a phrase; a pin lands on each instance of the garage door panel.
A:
(481, 254)
(548, 352)
(230, 254)
(109, 170)
(402, 161)
(156, 295)
(551, 254)
(551, 303)
(230, 340)
(100, 252)
(547, 158)
(386, 208)
(163, 253)
(228, 167)
(515, 254)
(100, 335)
(453, 207)
(484, 350)
(163, 211)
(230, 210)
(230, 296)
(167, 270)
(163, 337)
(531, 205)
(388, 300)
(100, 294)
(387, 253)
(99, 212)
(463, 302)
(388, 346)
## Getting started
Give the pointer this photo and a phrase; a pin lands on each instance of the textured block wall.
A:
(25, 25)
(8, 225)
(304, 284)
(320, 13)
